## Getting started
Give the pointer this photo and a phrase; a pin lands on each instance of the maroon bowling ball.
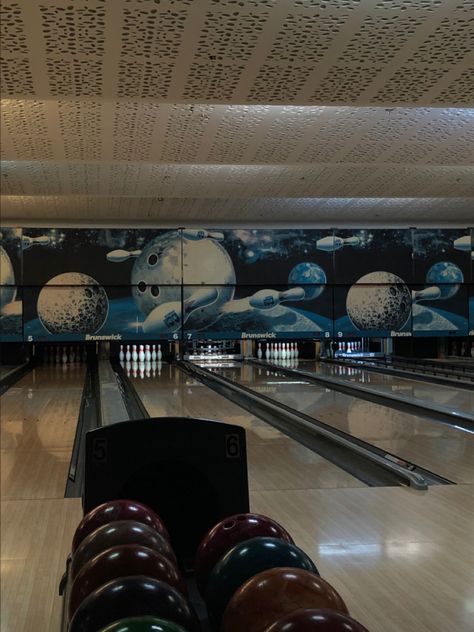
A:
(226, 534)
(310, 620)
(122, 561)
(136, 596)
(115, 534)
(117, 510)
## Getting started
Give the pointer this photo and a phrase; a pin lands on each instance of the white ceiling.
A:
(238, 111)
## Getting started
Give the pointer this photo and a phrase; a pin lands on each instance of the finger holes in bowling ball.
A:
(153, 259)
(229, 525)
(142, 287)
(155, 291)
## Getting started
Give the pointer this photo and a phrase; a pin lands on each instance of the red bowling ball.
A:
(115, 534)
(226, 534)
(274, 594)
(122, 561)
(112, 512)
(137, 596)
(310, 620)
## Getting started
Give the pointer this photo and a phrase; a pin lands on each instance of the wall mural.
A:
(11, 305)
(165, 284)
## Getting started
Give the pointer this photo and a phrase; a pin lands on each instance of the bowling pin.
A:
(333, 243)
(147, 354)
(159, 355)
(117, 256)
(169, 317)
(153, 353)
(428, 294)
(72, 355)
(64, 356)
(196, 235)
(128, 355)
(259, 352)
(297, 353)
(134, 353)
(141, 354)
(28, 242)
(283, 352)
(463, 243)
(121, 354)
(267, 299)
(267, 352)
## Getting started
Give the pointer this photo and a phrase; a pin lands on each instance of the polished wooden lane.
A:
(36, 539)
(403, 560)
(425, 393)
(37, 425)
(432, 445)
(274, 460)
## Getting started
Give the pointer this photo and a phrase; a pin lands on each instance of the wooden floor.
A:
(403, 560)
(433, 445)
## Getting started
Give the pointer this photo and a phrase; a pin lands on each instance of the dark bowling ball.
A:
(310, 620)
(244, 561)
(112, 512)
(114, 534)
(136, 596)
(143, 624)
(122, 561)
(228, 533)
(275, 593)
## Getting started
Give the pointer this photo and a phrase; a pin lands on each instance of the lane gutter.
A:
(377, 465)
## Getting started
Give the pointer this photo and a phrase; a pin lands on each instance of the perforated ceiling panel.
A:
(241, 51)
(233, 134)
(257, 109)
(67, 209)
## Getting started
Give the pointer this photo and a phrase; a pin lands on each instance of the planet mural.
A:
(379, 300)
(156, 279)
(7, 280)
(447, 276)
(72, 303)
(306, 273)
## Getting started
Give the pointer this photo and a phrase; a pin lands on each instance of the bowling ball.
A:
(143, 624)
(117, 510)
(136, 596)
(245, 560)
(310, 620)
(275, 593)
(122, 561)
(227, 534)
(114, 534)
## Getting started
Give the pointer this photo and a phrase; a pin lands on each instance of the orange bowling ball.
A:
(269, 596)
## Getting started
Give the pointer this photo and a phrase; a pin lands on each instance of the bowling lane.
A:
(37, 428)
(274, 460)
(444, 450)
(424, 393)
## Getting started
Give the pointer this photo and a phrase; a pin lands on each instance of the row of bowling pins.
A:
(349, 347)
(278, 350)
(143, 354)
(142, 369)
(65, 354)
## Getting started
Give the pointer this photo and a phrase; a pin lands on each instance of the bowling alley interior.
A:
(237, 316)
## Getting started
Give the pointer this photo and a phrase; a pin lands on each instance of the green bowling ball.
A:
(245, 560)
(143, 624)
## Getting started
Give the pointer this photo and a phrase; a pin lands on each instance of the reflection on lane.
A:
(434, 446)
(275, 461)
(424, 393)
